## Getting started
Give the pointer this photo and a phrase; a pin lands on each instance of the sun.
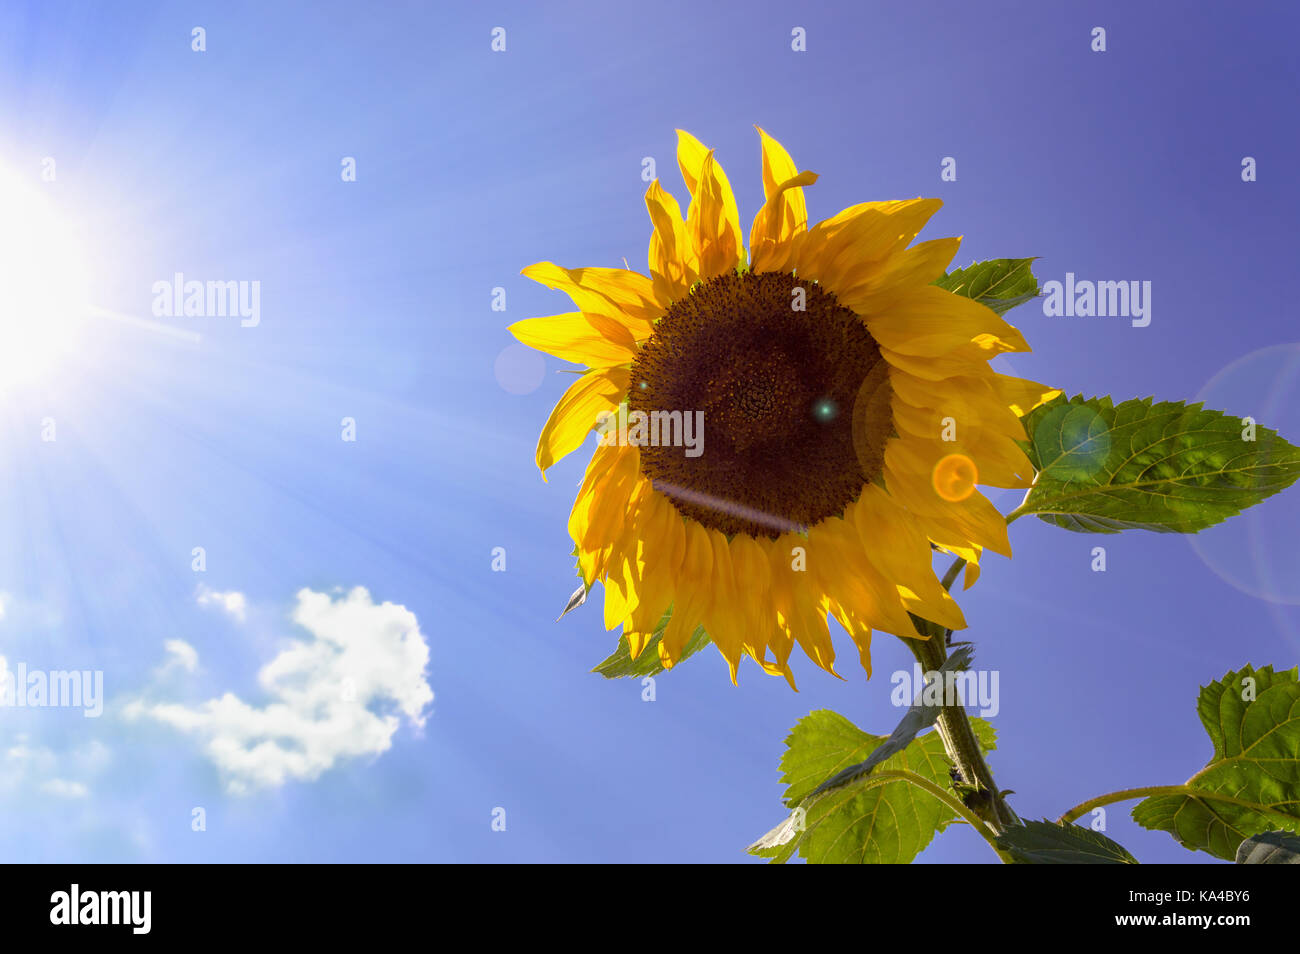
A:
(44, 300)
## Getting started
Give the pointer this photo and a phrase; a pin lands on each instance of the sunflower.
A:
(847, 411)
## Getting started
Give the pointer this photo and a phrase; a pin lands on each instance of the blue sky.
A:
(175, 433)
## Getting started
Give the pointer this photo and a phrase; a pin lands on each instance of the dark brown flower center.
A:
(794, 396)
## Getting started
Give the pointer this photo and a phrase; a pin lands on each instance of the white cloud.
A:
(29, 769)
(232, 603)
(180, 655)
(26, 766)
(62, 788)
(341, 694)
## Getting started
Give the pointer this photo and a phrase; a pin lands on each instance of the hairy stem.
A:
(1123, 795)
(1020, 510)
(1127, 794)
(955, 729)
(950, 577)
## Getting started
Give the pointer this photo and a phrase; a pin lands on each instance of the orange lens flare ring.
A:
(954, 477)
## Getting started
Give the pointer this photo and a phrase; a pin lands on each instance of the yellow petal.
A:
(674, 263)
(618, 293)
(781, 634)
(999, 462)
(928, 321)
(901, 553)
(580, 517)
(716, 233)
(720, 616)
(940, 367)
(654, 570)
(778, 167)
(980, 428)
(1023, 395)
(754, 613)
(784, 214)
(691, 154)
(712, 218)
(603, 521)
(626, 537)
(971, 400)
(970, 554)
(872, 287)
(834, 251)
(691, 598)
(578, 411)
(859, 630)
(909, 467)
(625, 565)
(856, 585)
(773, 244)
(793, 584)
(593, 340)
(779, 669)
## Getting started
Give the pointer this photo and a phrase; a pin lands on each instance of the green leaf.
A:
(1252, 783)
(1000, 283)
(1169, 466)
(920, 715)
(621, 665)
(1050, 843)
(886, 823)
(1270, 848)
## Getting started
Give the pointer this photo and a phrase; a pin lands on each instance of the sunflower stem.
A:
(956, 731)
(951, 576)
(1024, 502)
(1127, 794)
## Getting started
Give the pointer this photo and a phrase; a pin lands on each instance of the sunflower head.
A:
(785, 435)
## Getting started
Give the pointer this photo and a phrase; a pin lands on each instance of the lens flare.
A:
(954, 477)
(1254, 552)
